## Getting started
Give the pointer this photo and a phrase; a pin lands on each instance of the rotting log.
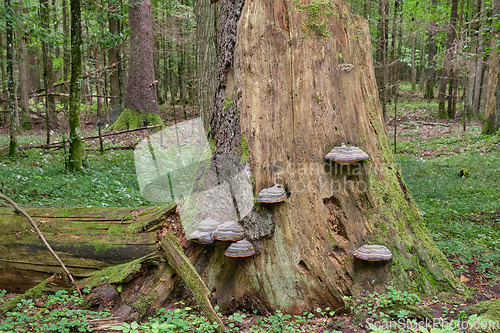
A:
(184, 268)
(86, 240)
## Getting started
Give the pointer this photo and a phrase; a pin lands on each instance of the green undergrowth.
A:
(458, 196)
(469, 142)
(61, 312)
(39, 178)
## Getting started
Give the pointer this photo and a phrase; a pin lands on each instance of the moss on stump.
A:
(130, 119)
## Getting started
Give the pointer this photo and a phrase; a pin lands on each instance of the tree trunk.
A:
(75, 146)
(447, 72)
(430, 71)
(382, 56)
(65, 53)
(114, 57)
(479, 68)
(11, 93)
(141, 88)
(292, 103)
(86, 240)
(413, 75)
(492, 115)
(48, 80)
(206, 57)
(24, 83)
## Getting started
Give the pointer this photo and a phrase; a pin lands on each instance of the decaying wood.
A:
(281, 96)
(185, 269)
(40, 234)
(86, 239)
(29, 294)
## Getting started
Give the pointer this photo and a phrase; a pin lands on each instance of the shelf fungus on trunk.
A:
(239, 249)
(346, 155)
(272, 194)
(373, 253)
(204, 233)
(229, 231)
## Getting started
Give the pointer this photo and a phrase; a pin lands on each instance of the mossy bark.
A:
(293, 102)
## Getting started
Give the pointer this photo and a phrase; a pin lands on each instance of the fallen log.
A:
(42, 237)
(86, 240)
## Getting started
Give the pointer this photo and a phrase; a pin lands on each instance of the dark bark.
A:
(382, 56)
(75, 147)
(11, 94)
(48, 77)
(447, 75)
(141, 87)
(430, 71)
(479, 59)
(24, 83)
(114, 56)
(65, 52)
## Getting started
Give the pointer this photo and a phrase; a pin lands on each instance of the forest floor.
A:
(454, 176)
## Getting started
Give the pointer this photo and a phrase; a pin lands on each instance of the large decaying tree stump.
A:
(294, 80)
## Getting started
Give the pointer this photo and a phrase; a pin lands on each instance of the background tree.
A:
(75, 148)
(492, 114)
(12, 107)
(48, 79)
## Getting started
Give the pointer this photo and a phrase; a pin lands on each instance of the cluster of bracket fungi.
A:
(210, 230)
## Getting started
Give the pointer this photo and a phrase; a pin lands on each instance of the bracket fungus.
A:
(229, 231)
(240, 249)
(204, 231)
(272, 194)
(346, 155)
(373, 253)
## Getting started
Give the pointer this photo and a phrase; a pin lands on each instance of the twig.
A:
(48, 194)
(59, 143)
(19, 209)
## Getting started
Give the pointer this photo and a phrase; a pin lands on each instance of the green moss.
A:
(413, 249)
(120, 273)
(245, 150)
(489, 309)
(130, 119)
(318, 14)
(32, 293)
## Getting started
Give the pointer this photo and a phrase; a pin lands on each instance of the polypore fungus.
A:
(346, 155)
(373, 253)
(272, 194)
(204, 231)
(229, 231)
(242, 248)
